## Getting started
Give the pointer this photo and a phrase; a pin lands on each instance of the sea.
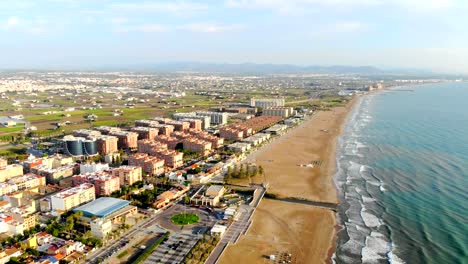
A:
(402, 177)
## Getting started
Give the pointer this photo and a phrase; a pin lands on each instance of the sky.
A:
(422, 34)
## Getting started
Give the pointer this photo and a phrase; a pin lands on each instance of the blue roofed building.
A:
(106, 208)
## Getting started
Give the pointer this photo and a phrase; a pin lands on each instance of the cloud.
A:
(211, 28)
(12, 21)
(349, 27)
(178, 7)
(144, 28)
(300, 6)
(37, 25)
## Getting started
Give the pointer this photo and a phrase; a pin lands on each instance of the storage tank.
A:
(90, 147)
(74, 146)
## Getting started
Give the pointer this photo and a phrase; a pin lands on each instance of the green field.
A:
(185, 219)
(16, 128)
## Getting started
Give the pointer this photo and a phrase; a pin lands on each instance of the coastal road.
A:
(238, 227)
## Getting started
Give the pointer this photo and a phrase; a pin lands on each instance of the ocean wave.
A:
(369, 219)
(376, 249)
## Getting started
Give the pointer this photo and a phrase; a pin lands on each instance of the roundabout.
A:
(185, 219)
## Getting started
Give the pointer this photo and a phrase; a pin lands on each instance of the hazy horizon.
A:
(416, 34)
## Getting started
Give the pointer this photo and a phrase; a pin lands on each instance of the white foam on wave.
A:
(393, 258)
(376, 248)
(367, 199)
(369, 219)
(382, 188)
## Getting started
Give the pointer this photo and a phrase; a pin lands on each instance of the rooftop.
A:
(102, 207)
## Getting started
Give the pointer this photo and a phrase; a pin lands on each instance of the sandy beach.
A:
(305, 231)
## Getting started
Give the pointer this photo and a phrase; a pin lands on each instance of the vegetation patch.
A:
(185, 219)
(150, 249)
(123, 254)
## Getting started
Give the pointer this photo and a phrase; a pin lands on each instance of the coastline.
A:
(283, 226)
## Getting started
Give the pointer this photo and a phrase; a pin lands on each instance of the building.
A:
(211, 196)
(164, 129)
(276, 129)
(27, 218)
(85, 133)
(150, 165)
(196, 145)
(10, 171)
(278, 111)
(106, 209)
(150, 146)
(218, 230)
(107, 144)
(107, 130)
(100, 228)
(27, 181)
(29, 163)
(93, 167)
(146, 123)
(216, 118)
(54, 176)
(145, 132)
(104, 183)
(179, 125)
(263, 103)
(172, 158)
(206, 120)
(127, 140)
(73, 197)
(194, 124)
(239, 147)
(128, 174)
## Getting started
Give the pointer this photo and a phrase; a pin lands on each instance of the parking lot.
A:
(174, 249)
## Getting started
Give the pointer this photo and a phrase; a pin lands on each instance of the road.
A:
(113, 245)
(237, 228)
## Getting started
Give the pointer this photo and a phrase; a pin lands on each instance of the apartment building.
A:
(103, 181)
(10, 171)
(196, 145)
(27, 181)
(278, 111)
(73, 197)
(127, 140)
(52, 175)
(179, 125)
(170, 141)
(194, 124)
(172, 158)
(150, 146)
(164, 129)
(107, 144)
(145, 132)
(262, 103)
(86, 133)
(150, 165)
(146, 123)
(128, 174)
(206, 120)
(216, 118)
(93, 167)
(107, 130)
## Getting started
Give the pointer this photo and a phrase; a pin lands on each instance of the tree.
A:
(260, 170)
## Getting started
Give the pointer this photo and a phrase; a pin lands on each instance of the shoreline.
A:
(351, 108)
(279, 226)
